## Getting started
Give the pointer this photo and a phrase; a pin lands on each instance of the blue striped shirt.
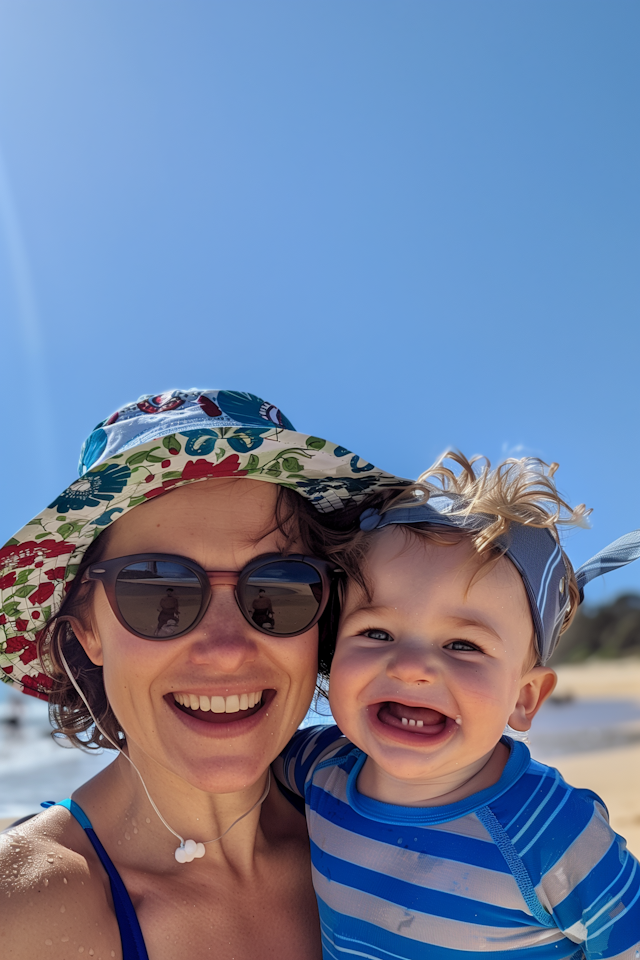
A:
(528, 867)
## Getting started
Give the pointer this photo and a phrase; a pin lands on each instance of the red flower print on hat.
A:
(160, 404)
(210, 408)
(29, 653)
(201, 470)
(24, 554)
(16, 644)
(43, 593)
(34, 685)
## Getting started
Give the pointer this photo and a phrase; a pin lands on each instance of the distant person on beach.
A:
(262, 610)
(169, 609)
(433, 831)
(181, 847)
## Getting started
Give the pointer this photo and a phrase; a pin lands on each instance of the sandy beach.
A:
(613, 773)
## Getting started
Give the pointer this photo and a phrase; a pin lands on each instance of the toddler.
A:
(432, 833)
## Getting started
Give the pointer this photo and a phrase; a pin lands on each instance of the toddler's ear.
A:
(537, 685)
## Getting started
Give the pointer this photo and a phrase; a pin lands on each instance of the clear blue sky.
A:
(408, 223)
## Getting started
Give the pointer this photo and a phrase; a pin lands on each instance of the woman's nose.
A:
(223, 637)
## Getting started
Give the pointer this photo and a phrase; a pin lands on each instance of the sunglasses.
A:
(157, 596)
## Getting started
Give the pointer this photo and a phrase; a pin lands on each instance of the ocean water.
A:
(34, 768)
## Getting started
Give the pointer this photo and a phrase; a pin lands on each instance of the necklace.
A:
(188, 850)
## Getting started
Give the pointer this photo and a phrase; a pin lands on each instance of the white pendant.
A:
(189, 850)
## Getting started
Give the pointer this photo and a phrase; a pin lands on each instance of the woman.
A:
(183, 846)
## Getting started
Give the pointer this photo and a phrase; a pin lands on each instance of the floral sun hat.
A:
(143, 450)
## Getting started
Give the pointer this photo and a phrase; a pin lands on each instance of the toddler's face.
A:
(427, 674)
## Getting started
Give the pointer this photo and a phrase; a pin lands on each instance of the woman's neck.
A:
(135, 829)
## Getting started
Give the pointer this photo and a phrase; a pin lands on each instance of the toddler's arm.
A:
(306, 749)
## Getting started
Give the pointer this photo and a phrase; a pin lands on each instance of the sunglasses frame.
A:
(106, 572)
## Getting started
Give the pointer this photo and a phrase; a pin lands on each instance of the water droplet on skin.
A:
(91, 952)
(62, 909)
(46, 882)
(65, 939)
(64, 880)
(112, 953)
(119, 843)
(49, 859)
(127, 836)
(80, 949)
(135, 829)
(48, 943)
(148, 821)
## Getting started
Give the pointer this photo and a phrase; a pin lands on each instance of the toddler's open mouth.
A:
(417, 720)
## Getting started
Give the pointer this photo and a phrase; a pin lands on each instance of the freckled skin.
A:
(251, 894)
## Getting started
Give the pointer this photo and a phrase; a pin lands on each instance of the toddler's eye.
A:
(464, 645)
(377, 635)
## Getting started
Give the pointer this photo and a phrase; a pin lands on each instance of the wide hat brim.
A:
(39, 563)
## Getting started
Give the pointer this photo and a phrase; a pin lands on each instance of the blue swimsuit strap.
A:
(133, 946)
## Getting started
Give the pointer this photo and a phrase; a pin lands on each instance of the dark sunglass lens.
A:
(283, 596)
(158, 598)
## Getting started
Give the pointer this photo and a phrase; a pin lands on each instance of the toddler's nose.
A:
(413, 663)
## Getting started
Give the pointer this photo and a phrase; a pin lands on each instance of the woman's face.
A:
(217, 523)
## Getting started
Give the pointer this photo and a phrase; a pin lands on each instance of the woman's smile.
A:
(229, 715)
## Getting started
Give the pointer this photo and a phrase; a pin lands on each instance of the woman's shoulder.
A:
(53, 894)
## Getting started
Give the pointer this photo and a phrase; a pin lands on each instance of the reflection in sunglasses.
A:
(160, 596)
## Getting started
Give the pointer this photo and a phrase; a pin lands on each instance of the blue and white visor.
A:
(533, 550)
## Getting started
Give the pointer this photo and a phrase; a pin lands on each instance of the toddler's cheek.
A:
(343, 696)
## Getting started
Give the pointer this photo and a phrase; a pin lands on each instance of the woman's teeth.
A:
(232, 704)
(412, 723)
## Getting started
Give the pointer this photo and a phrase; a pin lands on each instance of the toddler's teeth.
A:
(405, 722)
(419, 723)
(412, 723)
(459, 720)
